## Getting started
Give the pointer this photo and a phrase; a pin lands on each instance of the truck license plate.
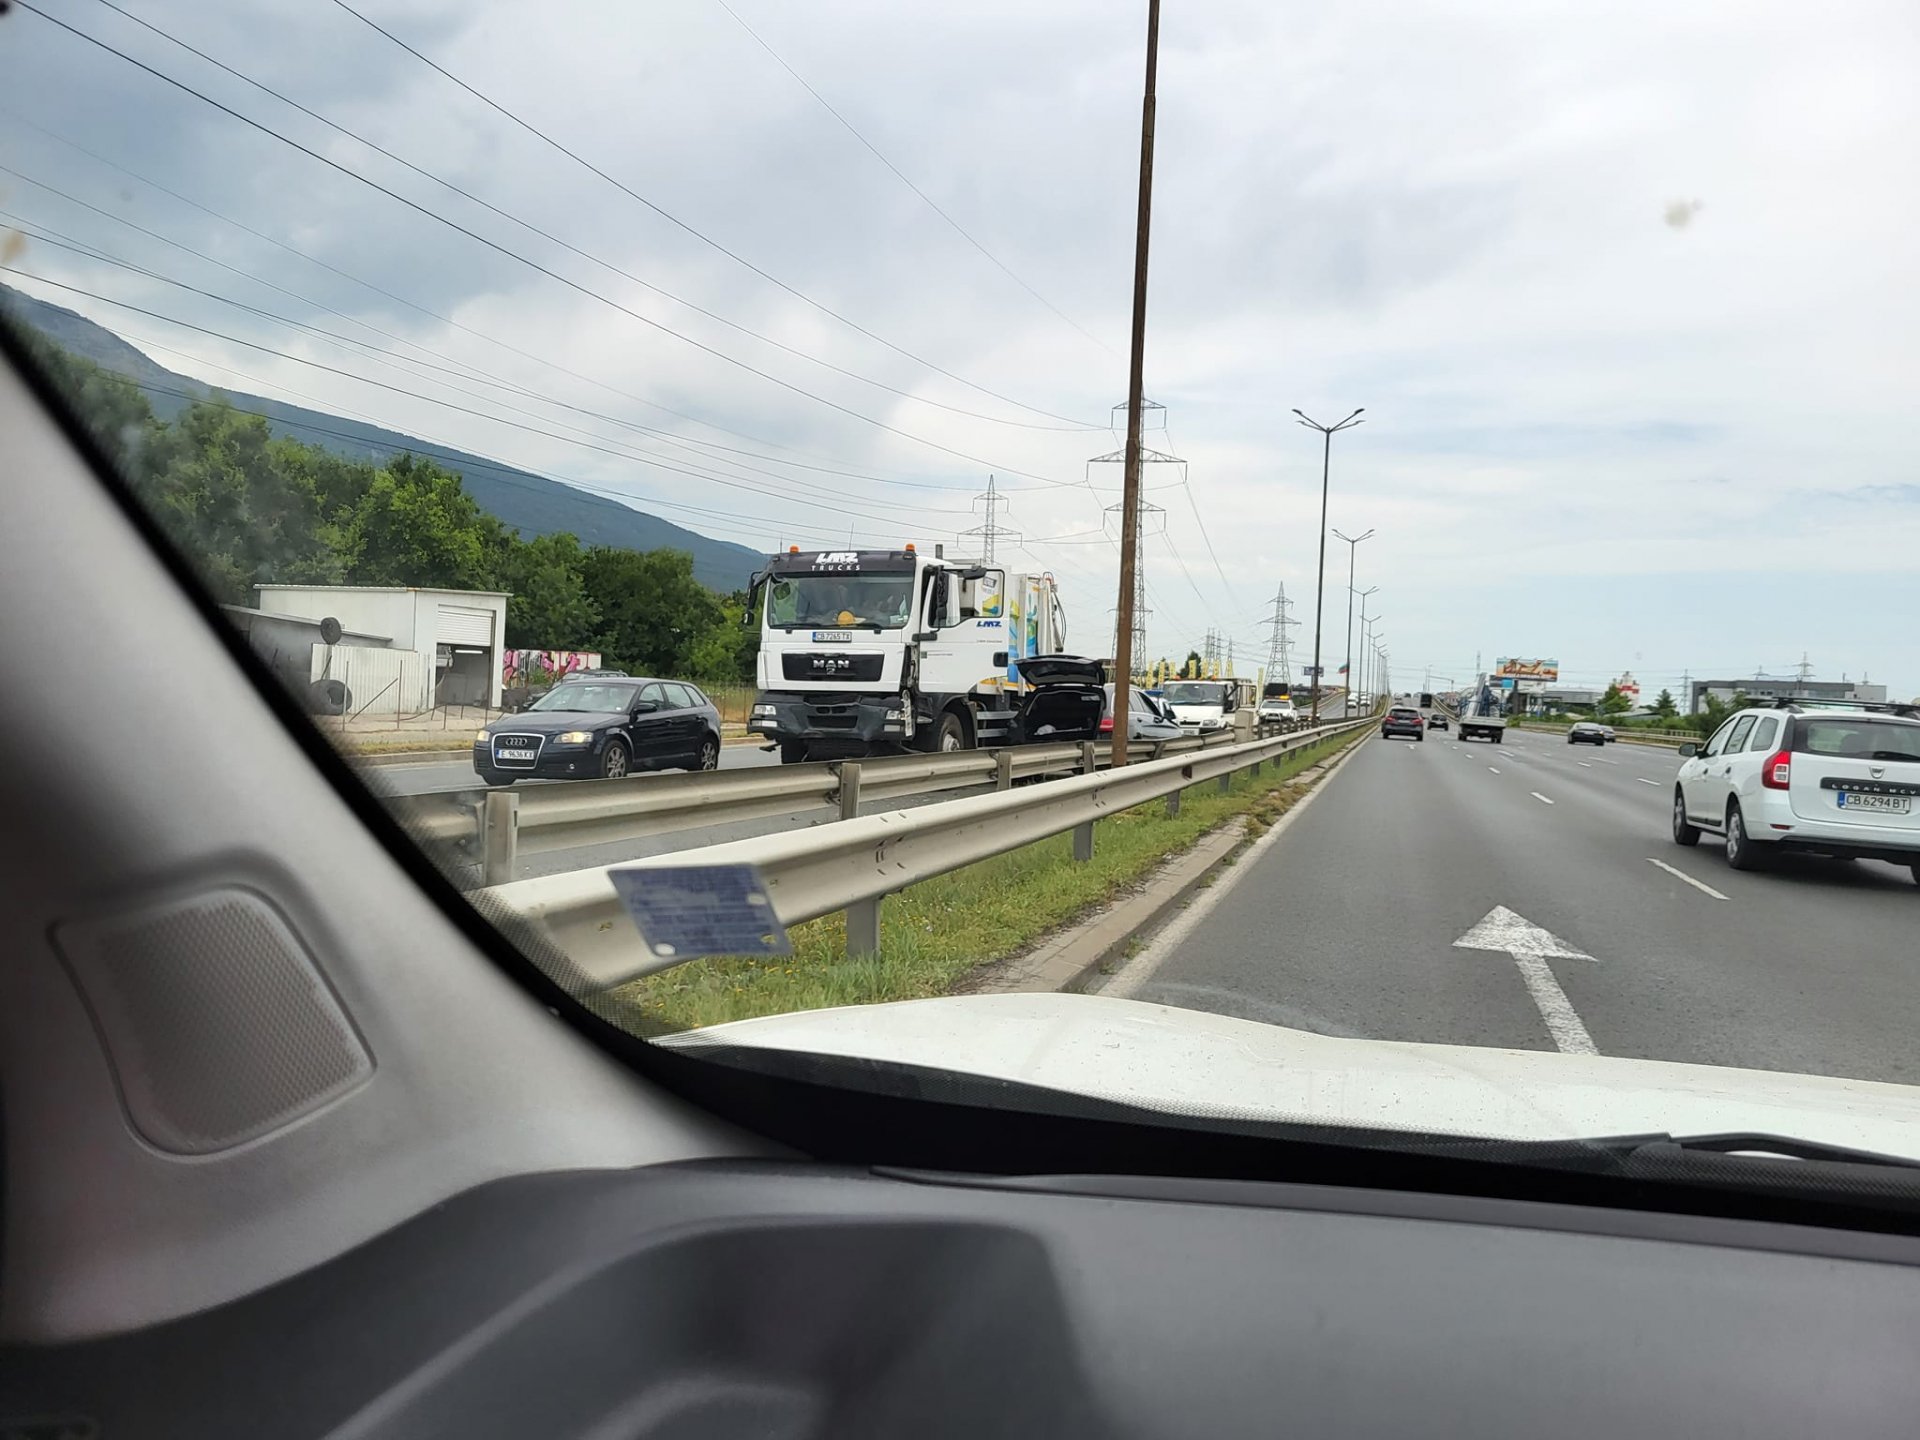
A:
(1885, 804)
(516, 754)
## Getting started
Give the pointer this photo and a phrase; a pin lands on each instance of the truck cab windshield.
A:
(881, 602)
(1196, 693)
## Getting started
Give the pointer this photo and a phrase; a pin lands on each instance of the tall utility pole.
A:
(1130, 482)
(1353, 547)
(1148, 520)
(1327, 432)
(990, 530)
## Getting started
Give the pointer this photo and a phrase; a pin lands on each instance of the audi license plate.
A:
(516, 755)
(1885, 804)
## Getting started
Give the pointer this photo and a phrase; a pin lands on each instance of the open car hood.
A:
(1062, 670)
(1192, 1061)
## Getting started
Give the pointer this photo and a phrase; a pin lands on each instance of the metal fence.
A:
(853, 865)
(495, 829)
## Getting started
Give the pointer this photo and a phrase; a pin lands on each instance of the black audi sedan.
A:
(601, 727)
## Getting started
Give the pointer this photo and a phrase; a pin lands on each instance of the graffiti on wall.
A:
(537, 669)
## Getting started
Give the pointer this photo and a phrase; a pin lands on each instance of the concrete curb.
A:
(1074, 958)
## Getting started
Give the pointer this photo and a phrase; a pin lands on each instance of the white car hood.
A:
(1194, 1061)
(1199, 715)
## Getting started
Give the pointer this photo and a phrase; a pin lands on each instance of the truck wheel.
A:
(949, 735)
(793, 752)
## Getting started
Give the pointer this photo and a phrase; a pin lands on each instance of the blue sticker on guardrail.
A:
(687, 911)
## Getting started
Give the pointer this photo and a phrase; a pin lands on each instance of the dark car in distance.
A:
(1438, 721)
(1586, 732)
(601, 727)
(1403, 720)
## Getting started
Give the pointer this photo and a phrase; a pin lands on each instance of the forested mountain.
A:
(530, 504)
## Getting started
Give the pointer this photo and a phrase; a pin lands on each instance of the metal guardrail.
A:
(494, 829)
(855, 864)
(1631, 733)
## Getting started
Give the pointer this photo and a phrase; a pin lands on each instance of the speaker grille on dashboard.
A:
(214, 1017)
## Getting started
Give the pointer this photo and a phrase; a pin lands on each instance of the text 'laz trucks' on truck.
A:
(872, 652)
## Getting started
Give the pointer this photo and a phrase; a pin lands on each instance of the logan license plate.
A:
(1884, 804)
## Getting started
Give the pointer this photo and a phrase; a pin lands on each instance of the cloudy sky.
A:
(1627, 291)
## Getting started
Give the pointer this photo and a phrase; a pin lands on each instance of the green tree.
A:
(416, 525)
(724, 653)
(1191, 666)
(1708, 717)
(652, 610)
(548, 607)
(1613, 702)
(217, 484)
(1664, 706)
(109, 405)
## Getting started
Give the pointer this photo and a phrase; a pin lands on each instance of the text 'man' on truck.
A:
(870, 652)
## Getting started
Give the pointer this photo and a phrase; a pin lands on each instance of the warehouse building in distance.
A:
(1764, 687)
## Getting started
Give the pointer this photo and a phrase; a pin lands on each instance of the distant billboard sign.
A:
(1545, 671)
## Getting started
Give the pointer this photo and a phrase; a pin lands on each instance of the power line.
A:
(547, 235)
(676, 221)
(448, 320)
(429, 399)
(898, 174)
(531, 264)
(389, 359)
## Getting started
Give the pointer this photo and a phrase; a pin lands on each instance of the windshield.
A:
(600, 699)
(880, 601)
(1196, 694)
(458, 359)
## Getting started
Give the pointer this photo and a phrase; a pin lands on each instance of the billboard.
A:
(1544, 671)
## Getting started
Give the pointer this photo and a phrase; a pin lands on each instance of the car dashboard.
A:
(773, 1299)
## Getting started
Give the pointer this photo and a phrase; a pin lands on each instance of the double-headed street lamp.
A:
(1366, 640)
(1362, 596)
(1327, 432)
(1353, 547)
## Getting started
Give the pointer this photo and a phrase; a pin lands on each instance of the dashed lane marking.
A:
(1682, 875)
(1538, 796)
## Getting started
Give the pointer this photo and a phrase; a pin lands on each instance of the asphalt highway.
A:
(1585, 927)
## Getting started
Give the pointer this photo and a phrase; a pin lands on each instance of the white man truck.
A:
(871, 652)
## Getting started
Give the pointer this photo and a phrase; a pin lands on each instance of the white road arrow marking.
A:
(1531, 948)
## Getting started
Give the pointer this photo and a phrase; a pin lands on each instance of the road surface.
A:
(1584, 925)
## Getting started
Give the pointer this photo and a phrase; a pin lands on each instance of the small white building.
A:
(446, 644)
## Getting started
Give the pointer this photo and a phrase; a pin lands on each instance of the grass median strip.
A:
(936, 935)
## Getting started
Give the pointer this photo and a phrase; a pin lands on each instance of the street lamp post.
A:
(1366, 641)
(1327, 433)
(1363, 594)
(1353, 547)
